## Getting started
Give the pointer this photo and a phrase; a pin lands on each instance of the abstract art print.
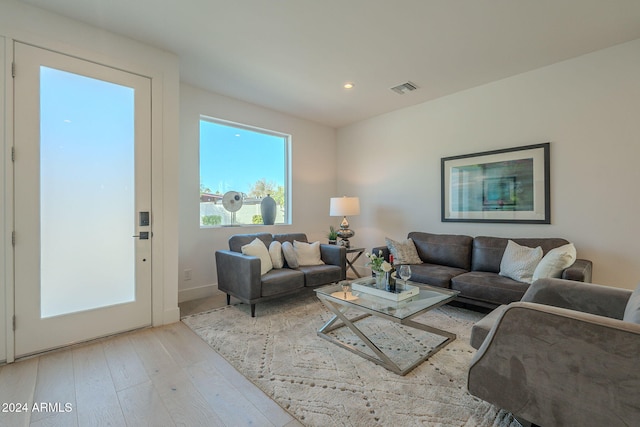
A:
(509, 185)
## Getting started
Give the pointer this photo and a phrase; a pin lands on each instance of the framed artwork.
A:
(509, 186)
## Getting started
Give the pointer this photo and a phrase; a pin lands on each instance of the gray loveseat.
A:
(566, 355)
(239, 275)
(471, 265)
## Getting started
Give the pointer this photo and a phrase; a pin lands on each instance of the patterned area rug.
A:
(322, 384)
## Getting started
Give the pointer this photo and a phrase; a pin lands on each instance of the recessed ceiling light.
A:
(348, 85)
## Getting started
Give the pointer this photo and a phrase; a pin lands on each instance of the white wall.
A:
(587, 107)
(313, 180)
(22, 22)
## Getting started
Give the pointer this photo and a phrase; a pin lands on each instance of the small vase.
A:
(380, 280)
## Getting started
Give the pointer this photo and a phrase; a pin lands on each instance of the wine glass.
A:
(405, 273)
(345, 288)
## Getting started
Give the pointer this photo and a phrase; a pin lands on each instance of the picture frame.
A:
(511, 185)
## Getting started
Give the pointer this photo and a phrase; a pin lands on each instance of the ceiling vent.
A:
(404, 88)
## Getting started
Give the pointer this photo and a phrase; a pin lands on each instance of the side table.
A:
(358, 252)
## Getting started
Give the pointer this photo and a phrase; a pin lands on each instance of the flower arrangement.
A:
(378, 263)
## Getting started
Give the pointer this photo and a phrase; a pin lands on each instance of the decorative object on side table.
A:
(332, 235)
(344, 206)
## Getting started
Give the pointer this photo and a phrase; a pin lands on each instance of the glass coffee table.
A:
(402, 312)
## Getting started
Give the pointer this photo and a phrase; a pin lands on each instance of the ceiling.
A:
(295, 55)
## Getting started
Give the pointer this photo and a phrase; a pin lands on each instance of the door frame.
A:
(162, 69)
(6, 214)
(92, 318)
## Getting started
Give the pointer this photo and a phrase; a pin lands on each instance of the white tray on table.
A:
(368, 286)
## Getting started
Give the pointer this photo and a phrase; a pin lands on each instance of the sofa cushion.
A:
(519, 262)
(290, 254)
(237, 241)
(403, 252)
(443, 249)
(487, 251)
(258, 249)
(434, 275)
(307, 253)
(281, 281)
(632, 310)
(488, 287)
(554, 262)
(275, 251)
(315, 275)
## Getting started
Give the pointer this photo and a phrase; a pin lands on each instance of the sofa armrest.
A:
(586, 297)
(334, 255)
(553, 366)
(238, 275)
(580, 271)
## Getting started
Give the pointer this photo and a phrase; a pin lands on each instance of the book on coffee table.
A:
(368, 286)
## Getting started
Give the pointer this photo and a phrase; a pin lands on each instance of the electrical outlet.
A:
(187, 274)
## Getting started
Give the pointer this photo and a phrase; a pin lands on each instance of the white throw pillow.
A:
(275, 251)
(555, 261)
(307, 253)
(632, 310)
(519, 262)
(258, 249)
(404, 252)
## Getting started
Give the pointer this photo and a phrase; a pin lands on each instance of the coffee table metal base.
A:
(382, 358)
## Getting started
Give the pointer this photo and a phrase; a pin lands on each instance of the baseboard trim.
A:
(171, 316)
(195, 293)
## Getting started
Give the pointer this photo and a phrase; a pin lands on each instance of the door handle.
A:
(144, 235)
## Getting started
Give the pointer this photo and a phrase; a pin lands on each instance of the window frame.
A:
(287, 140)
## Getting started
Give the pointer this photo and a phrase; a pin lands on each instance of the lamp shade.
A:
(344, 206)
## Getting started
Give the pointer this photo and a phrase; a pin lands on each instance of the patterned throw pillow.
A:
(258, 249)
(519, 262)
(403, 252)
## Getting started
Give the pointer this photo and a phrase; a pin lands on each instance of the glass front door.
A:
(82, 185)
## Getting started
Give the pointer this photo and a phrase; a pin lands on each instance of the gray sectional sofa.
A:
(471, 265)
(239, 275)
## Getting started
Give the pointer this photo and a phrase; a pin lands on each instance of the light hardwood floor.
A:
(163, 376)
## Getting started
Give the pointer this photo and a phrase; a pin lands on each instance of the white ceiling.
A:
(295, 55)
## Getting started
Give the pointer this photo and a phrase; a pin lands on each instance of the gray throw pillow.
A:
(403, 252)
(275, 250)
(632, 310)
(290, 255)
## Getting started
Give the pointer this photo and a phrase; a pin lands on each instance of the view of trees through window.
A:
(246, 164)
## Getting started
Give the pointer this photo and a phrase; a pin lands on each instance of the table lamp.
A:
(344, 206)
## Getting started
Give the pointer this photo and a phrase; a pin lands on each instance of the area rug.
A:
(322, 384)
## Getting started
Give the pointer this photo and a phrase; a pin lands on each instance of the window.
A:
(239, 166)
